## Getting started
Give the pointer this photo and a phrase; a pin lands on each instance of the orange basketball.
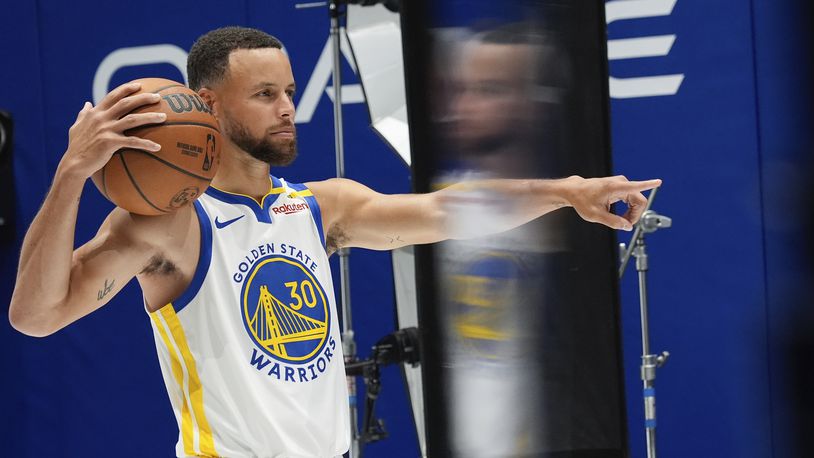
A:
(155, 183)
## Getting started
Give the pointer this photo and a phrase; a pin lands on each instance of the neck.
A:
(240, 173)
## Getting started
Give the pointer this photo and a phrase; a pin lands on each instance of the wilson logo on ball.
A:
(183, 103)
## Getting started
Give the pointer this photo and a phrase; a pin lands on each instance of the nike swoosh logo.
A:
(222, 224)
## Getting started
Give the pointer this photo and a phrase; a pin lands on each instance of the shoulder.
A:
(325, 187)
(338, 189)
(336, 195)
(326, 192)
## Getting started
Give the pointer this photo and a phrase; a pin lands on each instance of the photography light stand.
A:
(336, 11)
(650, 222)
(401, 346)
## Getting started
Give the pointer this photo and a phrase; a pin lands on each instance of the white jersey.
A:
(251, 352)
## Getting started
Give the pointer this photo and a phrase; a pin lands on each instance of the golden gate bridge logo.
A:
(274, 324)
(284, 310)
(487, 301)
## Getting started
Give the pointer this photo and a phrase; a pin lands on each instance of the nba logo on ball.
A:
(285, 310)
(210, 152)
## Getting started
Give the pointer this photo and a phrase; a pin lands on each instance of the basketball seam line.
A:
(172, 123)
(127, 170)
(167, 163)
(189, 123)
(167, 87)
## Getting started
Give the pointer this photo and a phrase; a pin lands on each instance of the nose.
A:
(287, 109)
(463, 103)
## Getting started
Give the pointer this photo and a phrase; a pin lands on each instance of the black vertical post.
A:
(417, 57)
(7, 194)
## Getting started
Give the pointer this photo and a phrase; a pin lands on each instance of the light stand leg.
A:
(650, 222)
(648, 367)
(650, 362)
(348, 342)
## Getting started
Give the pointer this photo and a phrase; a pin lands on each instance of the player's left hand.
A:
(592, 199)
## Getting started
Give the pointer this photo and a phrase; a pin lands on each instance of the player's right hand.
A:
(99, 131)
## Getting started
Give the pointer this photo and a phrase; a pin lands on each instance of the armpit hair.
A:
(336, 239)
(159, 265)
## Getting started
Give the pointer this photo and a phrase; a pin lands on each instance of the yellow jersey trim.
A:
(304, 193)
(272, 191)
(195, 388)
(177, 372)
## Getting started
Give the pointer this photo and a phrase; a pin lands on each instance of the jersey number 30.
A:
(304, 295)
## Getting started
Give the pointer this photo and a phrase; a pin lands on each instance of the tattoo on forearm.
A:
(107, 289)
(394, 240)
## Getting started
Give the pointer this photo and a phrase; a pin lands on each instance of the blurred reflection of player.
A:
(501, 123)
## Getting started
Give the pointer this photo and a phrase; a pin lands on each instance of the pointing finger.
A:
(639, 186)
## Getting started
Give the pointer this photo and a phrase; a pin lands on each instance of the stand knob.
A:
(662, 358)
(652, 221)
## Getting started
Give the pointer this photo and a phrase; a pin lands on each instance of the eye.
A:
(264, 93)
(291, 94)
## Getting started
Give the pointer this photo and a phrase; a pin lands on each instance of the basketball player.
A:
(496, 289)
(237, 286)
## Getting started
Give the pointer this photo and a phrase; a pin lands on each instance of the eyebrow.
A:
(267, 84)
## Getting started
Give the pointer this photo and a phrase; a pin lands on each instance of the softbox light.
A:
(374, 34)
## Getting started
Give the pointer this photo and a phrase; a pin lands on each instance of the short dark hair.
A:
(209, 57)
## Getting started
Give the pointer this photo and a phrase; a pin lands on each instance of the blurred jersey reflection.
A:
(526, 333)
(500, 118)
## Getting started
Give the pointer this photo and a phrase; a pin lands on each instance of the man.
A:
(496, 289)
(238, 285)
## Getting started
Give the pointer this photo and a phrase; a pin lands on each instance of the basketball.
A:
(155, 183)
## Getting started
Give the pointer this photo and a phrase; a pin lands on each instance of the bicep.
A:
(388, 222)
(357, 216)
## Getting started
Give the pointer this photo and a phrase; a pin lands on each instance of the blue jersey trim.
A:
(261, 210)
(204, 259)
(316, 213)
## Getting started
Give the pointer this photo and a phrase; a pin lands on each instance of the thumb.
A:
(615, 222)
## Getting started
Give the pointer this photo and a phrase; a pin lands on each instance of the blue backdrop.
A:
(726, 140)
(95, 388)
(732, 145)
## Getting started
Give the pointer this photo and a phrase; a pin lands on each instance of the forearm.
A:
(517, 202)
(44, 272)
(356, 216)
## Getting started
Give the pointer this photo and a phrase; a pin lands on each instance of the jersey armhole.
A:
(316, 213)
(204, 259)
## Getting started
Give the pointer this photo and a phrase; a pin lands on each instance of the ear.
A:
(211, 98)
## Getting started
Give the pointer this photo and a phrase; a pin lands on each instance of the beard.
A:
(477, 143)
(275, 152)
